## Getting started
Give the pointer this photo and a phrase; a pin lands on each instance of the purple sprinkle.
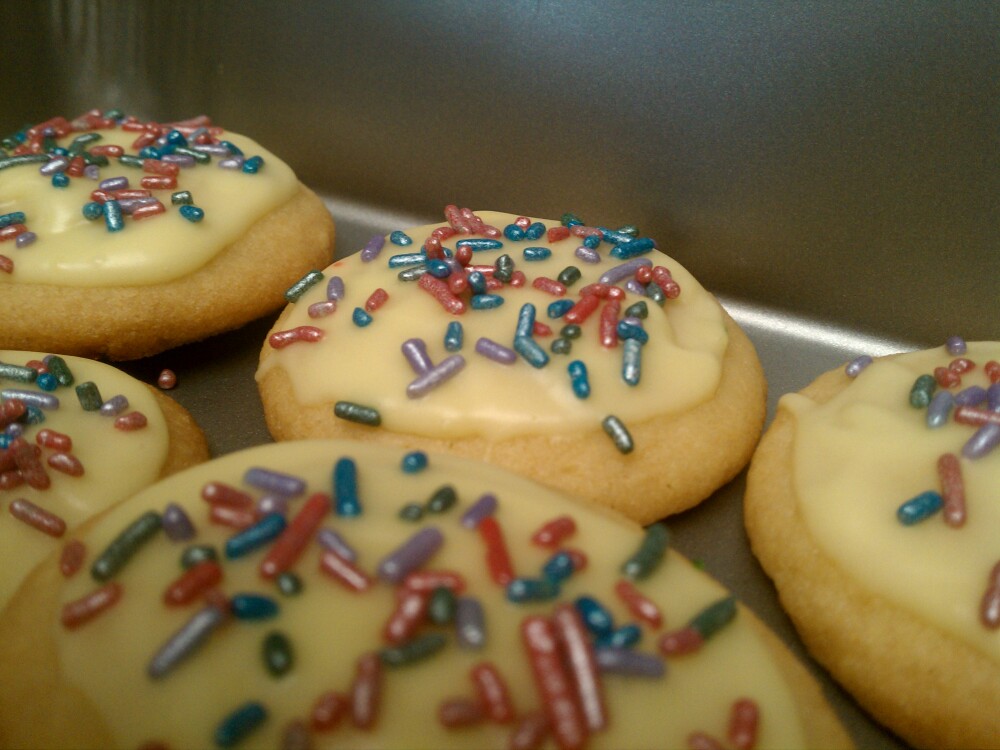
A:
(497, 352)
(186, 640)
(322, 309)
(131, 204)
(483, 507)
(335, 288)
(410, 555)
(15, 429)
(30, 398)
(274, 481)
(984, 440)
(955, 345)
(212, 149)
(272, 503)
(939, 409)
(470, 623)
(629, 662)
(114, 183)
(92, 172)
(587, 255)
(993, 397)
(635, 287)
(336, 543)
(114, 406)
(25, 239)
(371, 250)
(624, 270)
(415, 351)
(181, 160)
(443, 371)
(54, 165)
(233, 162)
(177, 523)
(974, 395)
(856, 365)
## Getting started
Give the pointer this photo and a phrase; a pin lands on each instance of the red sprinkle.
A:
(328, 710)
(28, 464)
(219, 493)
(609, 323)
(992, 369)
(555, 686)
(492, 691)
(6, 264)
(147, 210)
(552, 533)
(67, 463)
(666, 282)
(460, 712)
(744, 716)
(293, 540)
(71, 559)
(946, 377)
(530, 732)
(498, 561)
(107, 149)
(344, 572)
(167, 379)
(517, 279)
(428, 580)
(80, 611)
(952, 489)
(556, 234)
(970, 415)
(281, 339)
(11, 411)
(582, 666)
(640, 606)
(439, 290)
(376, 299)
(155, 166)
(57, 441)
(541, 329)
(159, 182)
(407, 617)
(644, 274)
(549, 286)
(366, 691)
(989, 608)
(961, 365)
(687, 640)
(11, 231)
(234, 518)
(583, 309)
(134, 420)
(194, 582)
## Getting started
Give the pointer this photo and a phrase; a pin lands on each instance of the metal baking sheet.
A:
(215, 381)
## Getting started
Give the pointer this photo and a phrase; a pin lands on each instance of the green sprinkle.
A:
(197, 553)
(411, 512)
(571, 331)
(198, 156)
(16, 161)
(569, 275)
(277, 653)
(353, 412)
(561, 345)
(570, 220)
(649, 555)
(441, 606)
(89, 395)
(714, 617)
(131, 160)
(18, 373)
(182, 198)
(300, 287)
(922, 391)
(413, 650)
(58, 367)
(504, 268)
(289, 583)
(125, 545)
(655, 292)
(638, 310)
(442, 499)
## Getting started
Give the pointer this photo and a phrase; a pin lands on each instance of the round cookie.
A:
(581, 357)
(421, 641)
(73, 462)
(123, 238)
(889, 572)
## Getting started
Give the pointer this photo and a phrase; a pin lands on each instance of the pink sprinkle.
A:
(6, 264)
(134, 420)
(281, 339)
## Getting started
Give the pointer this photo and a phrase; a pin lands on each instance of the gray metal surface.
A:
(831, 170)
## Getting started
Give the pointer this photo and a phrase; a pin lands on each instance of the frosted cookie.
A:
(579, 356)
(380, 598)
(76, 437)
(124, 238)
(873, 502)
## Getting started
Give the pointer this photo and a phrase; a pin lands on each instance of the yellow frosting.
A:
(74, 251)
(116, 464)
(681, 363)
(329, 626)
(865, 452)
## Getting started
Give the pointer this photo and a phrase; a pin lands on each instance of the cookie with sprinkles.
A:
(578, 355)
(873, 501)
(76, 437)
(281, 597)
(122, 237)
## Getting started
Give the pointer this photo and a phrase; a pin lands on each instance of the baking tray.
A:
(215, 381)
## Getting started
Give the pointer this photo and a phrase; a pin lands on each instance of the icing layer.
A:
(680, 364)
(329, 626)
(866, 451)
(74, 251)
(116, 464)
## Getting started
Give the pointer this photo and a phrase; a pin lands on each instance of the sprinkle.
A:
(344, 571)
(334, 542)
(36, 517)
(578, 378)
(453, 336)
(192, 583)
(485, 506)
(977, 417)
(400, 238)
(361, 318)
(922, 390)
(553, 532)
(328, 711)
(982, 442)
(29, 468)
(58, 367)
(300, 287)
(80, 611)
(532, 353)
(627, 661)
(89, 396)
(536, 253)
(412, 651)
(498, 561)
(65, 463)
(442, 499)
(582, 666)
(128, 542)
(439, 290)
(470, 623)
(408, 615)
(18, 373)
(277, 653)
(939, 409)
(192, 213)
(114, 406)
(640, 606)
(618, 433)
(532, 590)
(413, 553)
(14, 217)
(744, 716)
(504, 268)
(253, 165)
(595, 615)
(372, 248)
(554, 684)
(72, 557)
(649, 555)
(185, 641)
(632, 361)
(376, 299)
(989, 608)
(134, 420)
(955, 346)
(253, 607)
(436, 376)
(252, 538)
(353, 412)
(274, 481)
(699, 629)
(345, 488)
(181, 198)
(241, 722)
(624, 637)
(167, 379)
(30, 398)
(496, 352)
(366, 691)
(6, 264)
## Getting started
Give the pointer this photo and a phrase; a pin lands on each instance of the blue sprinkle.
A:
(14, 217)
(477, 245)
(559, 567)
(47, 381)
(345, 488)
(92, 210)
(232, 148)
(453, 336)
(628, 330)
(239, 724)
(486, 301)
(525, 321)
(531, 351)
(536, 253)
(535, 231)
(192, 213)
(623, 637)
(559, 308)
(477, 282)
(406, 259)
(918, 508)
(592, 241)
(360, 317)
(150, 152)
(176, 138)
(513, 232)
(438, 268)
(60, 180)
(633, 248)
(253, 165)
(414, 462)
(256, 536)
(578, 378)
(400, 238)
(253, 607)
(596, 617)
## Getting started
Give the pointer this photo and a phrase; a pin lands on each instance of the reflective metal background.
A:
(829, 169)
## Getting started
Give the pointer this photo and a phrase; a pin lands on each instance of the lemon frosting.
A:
(71, 250)
(862, 454)
(329, 626)
(680, 364)
(116, 463)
